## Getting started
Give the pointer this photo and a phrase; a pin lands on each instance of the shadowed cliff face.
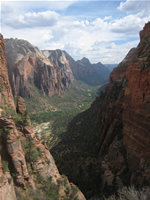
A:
(29, 68)
(126, 120)
(25, 161)
(136, 115)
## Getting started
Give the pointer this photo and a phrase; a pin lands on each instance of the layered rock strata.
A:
(124, 131)
(29, 69)
(23, 157)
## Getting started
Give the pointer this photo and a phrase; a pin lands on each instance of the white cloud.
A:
(134, 5)
(99, 39)
(30, 19)
(130, 25)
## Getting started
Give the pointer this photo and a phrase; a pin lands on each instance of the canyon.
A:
(114, 132)
(103, 149)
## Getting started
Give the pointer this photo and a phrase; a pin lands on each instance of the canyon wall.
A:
(113, 135)
(30, 71)
(25, 161)
(125, 120)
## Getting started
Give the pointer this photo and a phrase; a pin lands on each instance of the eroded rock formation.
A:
(125, 129)
(23, 157)
(30, 70)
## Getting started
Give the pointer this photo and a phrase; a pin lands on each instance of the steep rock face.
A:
(23, 157)
(5, 90)
(62, 60)
(6, 183)
(28, 68)
(125, 119)
(136, 115)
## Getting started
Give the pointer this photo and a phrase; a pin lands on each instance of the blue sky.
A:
(103, 31)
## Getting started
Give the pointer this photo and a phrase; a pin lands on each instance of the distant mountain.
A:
(92, 74)
(102, 69)
(111, 66)
(31, 71)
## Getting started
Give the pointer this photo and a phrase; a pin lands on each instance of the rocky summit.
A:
(27, 169)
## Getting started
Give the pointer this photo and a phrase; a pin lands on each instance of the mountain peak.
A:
(85, 61)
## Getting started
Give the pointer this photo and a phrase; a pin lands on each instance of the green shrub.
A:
(15, 174)
(4, 165)
(31, 153)
(1, 179)
(131, 194)
(62, 181)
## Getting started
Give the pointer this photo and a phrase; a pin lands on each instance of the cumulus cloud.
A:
(130, 25)
(37, 4)
(31, 19)
(134, 5)
(98, 38)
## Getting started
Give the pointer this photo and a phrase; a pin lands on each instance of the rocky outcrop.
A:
(25, 161)
(62, 60)
(29, 69)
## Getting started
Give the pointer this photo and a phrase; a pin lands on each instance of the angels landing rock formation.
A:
(25, 161)
(30, 70)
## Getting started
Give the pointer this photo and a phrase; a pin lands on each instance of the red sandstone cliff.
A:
(24, 159)
(125, 119)
(136, 114)
(29, 69)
